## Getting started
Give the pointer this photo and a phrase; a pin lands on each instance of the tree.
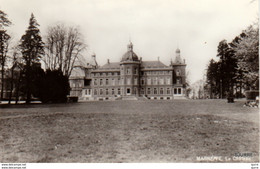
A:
(32, 49)
(228, 65)
(54, 87)
(4, 44)
(213, 78)
(63, 47)
(247, 52)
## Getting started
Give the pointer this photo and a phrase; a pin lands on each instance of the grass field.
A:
(129, 131)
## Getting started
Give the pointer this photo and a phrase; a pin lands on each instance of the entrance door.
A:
(128, 91)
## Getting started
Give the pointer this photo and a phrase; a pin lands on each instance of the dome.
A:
(178, 50)
(129, 55)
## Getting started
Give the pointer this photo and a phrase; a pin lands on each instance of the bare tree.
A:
(63, 47)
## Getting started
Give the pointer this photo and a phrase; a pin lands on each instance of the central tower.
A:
(129, 72)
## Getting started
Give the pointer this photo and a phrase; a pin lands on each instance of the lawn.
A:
(129, 131)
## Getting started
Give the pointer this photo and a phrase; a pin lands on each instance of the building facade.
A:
(80, 79)
(132, 77)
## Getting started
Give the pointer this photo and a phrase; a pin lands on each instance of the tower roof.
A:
(178, 50)
(129, 55)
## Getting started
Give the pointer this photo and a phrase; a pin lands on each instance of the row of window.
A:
(149, 91)
(106, 74)
(156, 81)
(155, 91)
(114, 82)
(158, 72)
(148, 81)
(76, 84)
(129, 71)
(107, 92)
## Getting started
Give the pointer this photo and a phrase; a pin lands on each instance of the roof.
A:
(112, 65)
(77, 72)
(152, 64)
(129, 56)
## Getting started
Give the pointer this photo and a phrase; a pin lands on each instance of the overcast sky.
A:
(156, 27)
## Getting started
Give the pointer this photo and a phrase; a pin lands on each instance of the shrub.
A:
(251, 94)
(55, 87)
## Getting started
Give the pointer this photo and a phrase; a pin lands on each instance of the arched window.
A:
(161, 90)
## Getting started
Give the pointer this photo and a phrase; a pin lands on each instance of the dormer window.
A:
(178, 72)
(128, 71)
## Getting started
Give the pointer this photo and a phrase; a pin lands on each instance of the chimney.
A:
(158, 58)
(108, 61)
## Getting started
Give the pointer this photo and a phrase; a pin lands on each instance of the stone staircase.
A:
(129, 98)
(179, 97)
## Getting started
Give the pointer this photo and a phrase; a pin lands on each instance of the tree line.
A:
(22, 75)
(237, 68)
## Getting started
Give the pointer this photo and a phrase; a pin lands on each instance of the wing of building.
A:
(130, 78)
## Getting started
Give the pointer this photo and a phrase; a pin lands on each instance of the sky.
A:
(155, 27)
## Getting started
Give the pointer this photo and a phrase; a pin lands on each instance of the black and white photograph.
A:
(129, 81)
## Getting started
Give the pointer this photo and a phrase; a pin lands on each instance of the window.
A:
(101, 91)
(135, 71)
(106, 81)
(178, 81)
(149, 81)
(142, 90)
(148, 91)
(118, 91)
(142, 81)
(106, 91)
(155, 81)
(128, 81)
(135, 90)
(168, 91)
(95, 92)
(168, 81)
(154, 72)
(178, 72)
(161, 90)
(155, 91)
(161, 81)
(128, 71)
(175, 91)
(113, 82)
(179, 90)
(95, 81)
(87, 82)
(101, 82)
(112, 73)
(135, 82)
(113, 91)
